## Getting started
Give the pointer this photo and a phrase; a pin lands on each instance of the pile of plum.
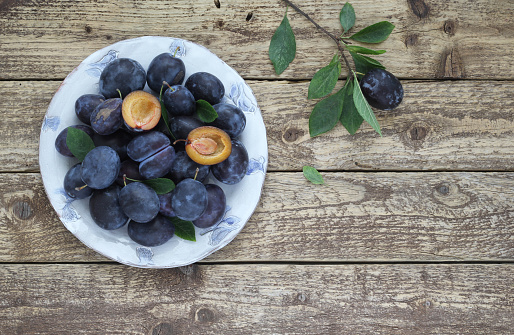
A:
(135, 143)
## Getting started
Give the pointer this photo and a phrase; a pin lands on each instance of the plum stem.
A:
(80, 188)
(119, 92)
(196, 173)
(180, 141)
(334, 38)
(175, 53)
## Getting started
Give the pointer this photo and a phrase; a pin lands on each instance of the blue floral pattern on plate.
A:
(178, 48)
(51, 123)
(68, 213)
(256, 165)
(221, 229)
(240, 94)
(95, 69)
(145, 255)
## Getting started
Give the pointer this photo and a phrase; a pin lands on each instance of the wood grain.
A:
(355, 217)
(257, 299)
(466, 125)
(432, 39)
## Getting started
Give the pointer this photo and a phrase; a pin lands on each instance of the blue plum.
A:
(105, 208)
(216, 204)
(151, 234)
(205, 86)
(233, 169)
(123, 74)
(100, 167)
(139, 202)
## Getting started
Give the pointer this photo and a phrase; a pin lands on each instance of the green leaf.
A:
(363, 63)
(363, 106)
(313, 175)
(326, 114)
(365, 51)
(79, 142)
(164, 113)
(206, 113)
(375, 33)
(282, 48)
(324, 81)
(350, 117)
(347, 17)
(160, 185)
(183, 229)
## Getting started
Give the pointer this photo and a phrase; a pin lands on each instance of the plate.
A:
(242, 198)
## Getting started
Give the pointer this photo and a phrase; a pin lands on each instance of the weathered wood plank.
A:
(432, 39)
(439, 126)
(354, 217)
(257, 299)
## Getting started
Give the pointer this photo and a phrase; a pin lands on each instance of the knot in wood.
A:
(443, 189)
(88, 29)
(449, 27)
(418, 133)
(411, 40)
(292, 134)
(163, 329)
(419, 8)
(301, 297)
(451, 65)
(205, 315)
(22, 210)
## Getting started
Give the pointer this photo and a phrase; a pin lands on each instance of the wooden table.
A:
(412, 233)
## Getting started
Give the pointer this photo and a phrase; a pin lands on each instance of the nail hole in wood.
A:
(205, 315)
(88, 29)
(449, 28)
(217, 3)
(292, 134)
(249, 16)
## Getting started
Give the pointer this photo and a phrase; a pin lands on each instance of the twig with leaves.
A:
(348, 105)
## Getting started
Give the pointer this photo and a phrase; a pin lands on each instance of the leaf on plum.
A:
(79, 143)
(375, 33)
(326, 114)
(312, 175)
(347, 17)
(324, 81)
(205, 112)
(164, 113)
(350, 117)
(282, 48)
(183, 229)
(363, 63)
(160, 185)
(363, 107)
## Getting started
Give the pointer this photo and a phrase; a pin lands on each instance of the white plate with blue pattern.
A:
(242, 198)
